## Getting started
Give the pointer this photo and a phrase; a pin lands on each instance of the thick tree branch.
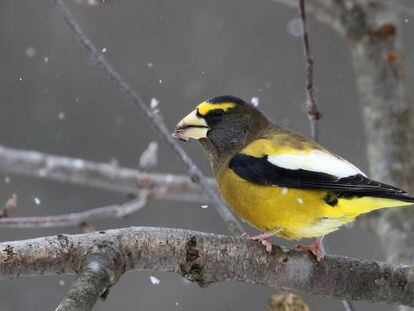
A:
(135, 99)
(208, 258)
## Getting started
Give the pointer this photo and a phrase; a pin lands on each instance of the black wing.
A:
(260, 171)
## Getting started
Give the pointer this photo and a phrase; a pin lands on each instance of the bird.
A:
(277, 180)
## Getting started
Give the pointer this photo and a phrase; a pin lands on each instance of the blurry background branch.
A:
(208, 258)
(105, 176)
(76, 219)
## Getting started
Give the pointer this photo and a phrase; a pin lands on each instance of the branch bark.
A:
(208, 258)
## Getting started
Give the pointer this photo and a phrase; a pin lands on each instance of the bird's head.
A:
(223, 125)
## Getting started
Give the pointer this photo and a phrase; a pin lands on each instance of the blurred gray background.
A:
(54, 99)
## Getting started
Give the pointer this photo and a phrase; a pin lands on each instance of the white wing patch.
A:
(316, 161)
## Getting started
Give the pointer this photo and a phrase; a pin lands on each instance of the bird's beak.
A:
(192, 126)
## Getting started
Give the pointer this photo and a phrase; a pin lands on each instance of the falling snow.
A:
(154, 280)
(406, 20)
(285, 190)
(7, 179)
(255, 101)
(46, 59)
(61, 115)
(300, 201)
(37, 201)
(30, 52)
(62, 282)
(294, 27)
(154, 103)
(204, 206)
(103, 50)
(150, 65)
(160, 81)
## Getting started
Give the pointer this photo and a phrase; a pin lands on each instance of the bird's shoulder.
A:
(279, 140)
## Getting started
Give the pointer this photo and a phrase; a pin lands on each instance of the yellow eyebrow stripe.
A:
(206, 107)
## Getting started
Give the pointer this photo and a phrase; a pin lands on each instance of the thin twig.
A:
(74, 219)
(134, 98)
(208, 258)
(312, 110)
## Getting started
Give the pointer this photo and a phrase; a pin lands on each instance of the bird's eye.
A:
(218, 114)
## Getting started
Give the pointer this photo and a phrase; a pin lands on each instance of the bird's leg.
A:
(265, 238)
(315, 249)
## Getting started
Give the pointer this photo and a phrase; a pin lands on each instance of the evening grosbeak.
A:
(278, 181)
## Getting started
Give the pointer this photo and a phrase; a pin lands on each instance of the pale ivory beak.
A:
(192, 126)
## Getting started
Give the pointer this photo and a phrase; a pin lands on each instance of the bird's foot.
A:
(314, 249)
(264, 238)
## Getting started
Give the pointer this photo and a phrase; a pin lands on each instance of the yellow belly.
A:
(300, 213)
